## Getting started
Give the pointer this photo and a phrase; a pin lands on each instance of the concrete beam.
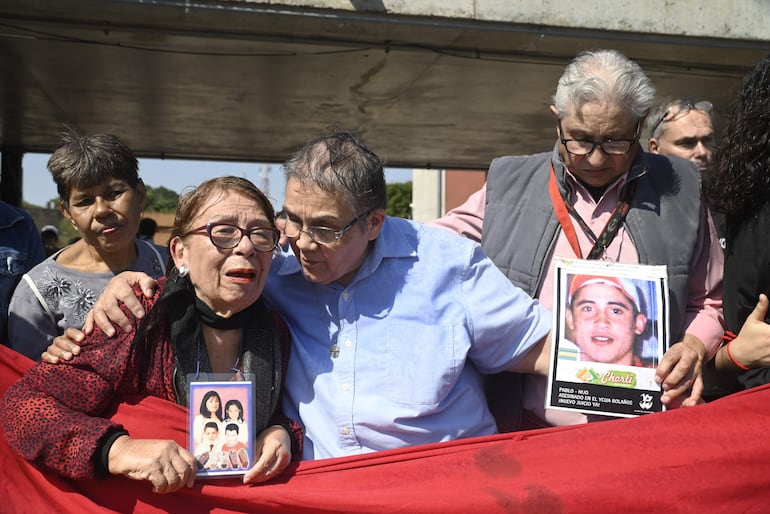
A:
(733, 19)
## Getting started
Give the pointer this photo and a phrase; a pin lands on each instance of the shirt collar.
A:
(566, 179)
(394, 242)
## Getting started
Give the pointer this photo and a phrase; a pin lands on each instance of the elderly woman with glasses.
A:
(206, 317)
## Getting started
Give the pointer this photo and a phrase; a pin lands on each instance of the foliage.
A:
(400, 200)
(161, 199)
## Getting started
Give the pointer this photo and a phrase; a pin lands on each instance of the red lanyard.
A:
(564, 209)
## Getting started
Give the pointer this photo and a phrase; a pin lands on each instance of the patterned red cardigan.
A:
(55, 416)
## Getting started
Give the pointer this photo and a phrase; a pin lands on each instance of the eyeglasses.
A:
(225, 236)
(608, 147)
(678, 110)
(320, 235)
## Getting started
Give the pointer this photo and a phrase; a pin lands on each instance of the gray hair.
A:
(654, 125)
(341, 164)
(605, 76)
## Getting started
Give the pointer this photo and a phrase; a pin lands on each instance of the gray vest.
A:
(520, 226)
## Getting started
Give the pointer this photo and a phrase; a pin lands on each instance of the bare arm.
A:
(751, 347)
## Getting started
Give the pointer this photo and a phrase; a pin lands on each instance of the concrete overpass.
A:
(432, 83)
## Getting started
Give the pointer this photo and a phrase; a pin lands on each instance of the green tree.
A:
(400, 200)
(161, 199)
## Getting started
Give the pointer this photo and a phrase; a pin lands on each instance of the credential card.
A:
(220, 427)
(609, 334)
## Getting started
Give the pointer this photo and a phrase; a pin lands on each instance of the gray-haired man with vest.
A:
(598, 195)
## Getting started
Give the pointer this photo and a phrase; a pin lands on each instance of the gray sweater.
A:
(61, 298)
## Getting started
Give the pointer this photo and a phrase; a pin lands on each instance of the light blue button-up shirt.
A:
(426, 315)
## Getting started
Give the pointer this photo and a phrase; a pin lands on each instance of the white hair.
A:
(604, 76)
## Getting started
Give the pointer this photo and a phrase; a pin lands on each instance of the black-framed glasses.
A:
(226, 236)
(320, 235)
(609, 147)
(679, 110)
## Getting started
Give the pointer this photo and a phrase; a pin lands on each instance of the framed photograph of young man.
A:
(220, 427)
(609, 335)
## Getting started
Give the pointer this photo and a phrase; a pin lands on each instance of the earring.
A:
(183, 270)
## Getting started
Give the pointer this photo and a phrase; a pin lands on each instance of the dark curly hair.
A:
(739, 183)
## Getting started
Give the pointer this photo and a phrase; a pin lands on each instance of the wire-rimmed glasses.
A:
(320, 235)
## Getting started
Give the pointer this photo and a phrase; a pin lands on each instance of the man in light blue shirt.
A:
(393, 323)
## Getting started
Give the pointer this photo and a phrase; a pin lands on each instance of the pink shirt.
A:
(703, 314)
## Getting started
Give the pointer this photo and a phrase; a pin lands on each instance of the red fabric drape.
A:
(710, 458)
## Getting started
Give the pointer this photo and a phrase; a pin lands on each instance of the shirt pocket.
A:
(423, 363)
(12, 261)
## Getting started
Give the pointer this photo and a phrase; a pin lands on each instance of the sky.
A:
(38, 187)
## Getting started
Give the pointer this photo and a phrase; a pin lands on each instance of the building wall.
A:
(460, 184)
(434, 192)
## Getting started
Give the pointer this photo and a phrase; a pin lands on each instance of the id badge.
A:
(221, 423)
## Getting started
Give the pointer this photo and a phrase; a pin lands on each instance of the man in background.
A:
(683, 128)
(50, 236)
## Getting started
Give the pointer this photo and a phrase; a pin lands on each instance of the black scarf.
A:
(185, 314)
(179, 309)
(210, 318)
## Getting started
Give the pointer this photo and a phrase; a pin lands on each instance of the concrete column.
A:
(427, 194)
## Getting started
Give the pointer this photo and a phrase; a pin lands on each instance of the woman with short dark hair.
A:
(102, 197)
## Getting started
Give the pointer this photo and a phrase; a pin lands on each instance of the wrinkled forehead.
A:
(309, 201)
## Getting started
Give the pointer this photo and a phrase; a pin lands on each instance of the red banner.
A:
(710, 458)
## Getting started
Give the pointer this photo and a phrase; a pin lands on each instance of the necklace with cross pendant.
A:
(334, 349)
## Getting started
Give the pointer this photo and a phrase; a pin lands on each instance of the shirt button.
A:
(345, 387)
(348, 343)
(345, 295)
(345, 431)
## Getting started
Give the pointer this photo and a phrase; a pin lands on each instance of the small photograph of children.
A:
(219, 427)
